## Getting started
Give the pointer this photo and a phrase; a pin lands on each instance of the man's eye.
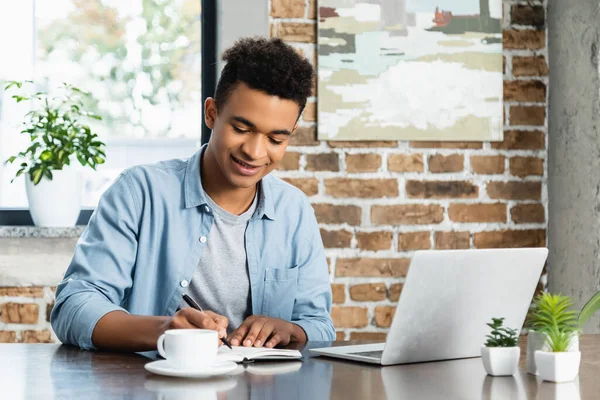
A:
(277, 142)
(235, 128)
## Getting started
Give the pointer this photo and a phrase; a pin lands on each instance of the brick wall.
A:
(377, 202)
(25, 314)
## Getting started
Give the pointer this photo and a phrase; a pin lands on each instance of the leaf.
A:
(11, 159)
(46, 155)
(19, 98)
(589, 309)
(36, 176)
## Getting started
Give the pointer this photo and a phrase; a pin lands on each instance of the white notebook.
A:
(240, 353)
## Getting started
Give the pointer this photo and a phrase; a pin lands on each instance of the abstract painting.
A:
(410, 70)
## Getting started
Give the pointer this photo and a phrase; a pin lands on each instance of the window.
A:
(142, 61)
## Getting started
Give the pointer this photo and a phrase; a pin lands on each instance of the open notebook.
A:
(241, 354)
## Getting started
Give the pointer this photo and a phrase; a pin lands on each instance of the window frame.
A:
(22, 216)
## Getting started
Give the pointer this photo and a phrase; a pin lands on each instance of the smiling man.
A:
(244, 244)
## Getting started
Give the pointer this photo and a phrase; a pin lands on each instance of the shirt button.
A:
(202, 239)
(207, 208)
(184, 283)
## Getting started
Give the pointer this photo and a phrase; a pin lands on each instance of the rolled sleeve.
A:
(100, 273)
(312, 307)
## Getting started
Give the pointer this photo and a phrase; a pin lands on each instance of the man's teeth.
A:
(244, 164)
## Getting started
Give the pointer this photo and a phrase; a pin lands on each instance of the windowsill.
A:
(40, 232)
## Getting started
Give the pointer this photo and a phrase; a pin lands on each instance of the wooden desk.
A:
(46, 371)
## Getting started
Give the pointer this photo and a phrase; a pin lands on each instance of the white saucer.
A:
(162, 367)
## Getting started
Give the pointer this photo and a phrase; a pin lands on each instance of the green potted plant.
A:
(500, 354)
(57, 138)
(558, 358)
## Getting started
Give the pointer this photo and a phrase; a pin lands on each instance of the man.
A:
(243, 244)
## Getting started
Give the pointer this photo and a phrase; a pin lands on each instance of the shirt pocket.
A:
(281, 285)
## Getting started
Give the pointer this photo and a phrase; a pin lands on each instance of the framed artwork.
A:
(410, 70)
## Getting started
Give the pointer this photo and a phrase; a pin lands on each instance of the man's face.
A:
(250, 133)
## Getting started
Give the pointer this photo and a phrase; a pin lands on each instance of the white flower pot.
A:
(500, 361)
(537, 341)
(56, 202)
(558, 367)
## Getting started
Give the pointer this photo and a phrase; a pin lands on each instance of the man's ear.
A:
(210, 112)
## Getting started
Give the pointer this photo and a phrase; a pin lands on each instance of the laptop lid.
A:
(450, 295)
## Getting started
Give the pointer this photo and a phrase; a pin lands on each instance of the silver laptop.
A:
(446, 301)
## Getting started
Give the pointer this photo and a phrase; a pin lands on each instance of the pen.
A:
(195, 305)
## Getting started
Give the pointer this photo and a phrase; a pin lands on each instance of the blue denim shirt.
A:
(144, 240)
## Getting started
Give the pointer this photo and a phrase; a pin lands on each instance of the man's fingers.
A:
(274, 341)
(200, 319)
(264, 334)
(221, 321)
(253, 332)
(239, 334)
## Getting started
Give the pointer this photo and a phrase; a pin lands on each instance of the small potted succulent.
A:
(500, 354)
(559, 358)
(58, 136)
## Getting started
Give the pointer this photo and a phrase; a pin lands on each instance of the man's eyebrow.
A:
(253, 126)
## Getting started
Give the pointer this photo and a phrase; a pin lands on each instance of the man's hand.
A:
(258, 330)
(189, 318)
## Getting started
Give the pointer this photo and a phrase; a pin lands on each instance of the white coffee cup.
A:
(188, 348)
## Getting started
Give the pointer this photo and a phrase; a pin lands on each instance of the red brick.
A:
(310, 111)
(289, 162)
(521, 14)
(395, 291)
(36, 337)
(441, 189)
(338, 291)
(349, 317)
(509, 238)
(312, 9)
(23, 291)
(513, 39)
(521, 140)
(414, 241)
(487, 165)
(336, 239)
(515, 190)
(526, 166)
(304, 136)
(527, 116)
(363, 188)
(297, 32)
(451, 240)
(8, 337)
(451, 163)
(407, 214)
(477, 212)
(368, 292)
(384, 316)
(526, 91)
(18, 313)
(529, 66)
(374, 240)
(395, 267)
(363, 162)
(287, 8)
(405, 163)
(340, 335)
(528, 213)
(322, 162)
(310, 186)
(334, 214)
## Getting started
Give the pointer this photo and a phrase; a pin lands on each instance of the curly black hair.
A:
(268, 65)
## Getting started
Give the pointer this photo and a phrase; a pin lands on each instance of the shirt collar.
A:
(194, 194)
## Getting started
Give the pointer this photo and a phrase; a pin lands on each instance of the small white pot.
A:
(558, 367)
(56, 202)
(500, 361)
(537, 341)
